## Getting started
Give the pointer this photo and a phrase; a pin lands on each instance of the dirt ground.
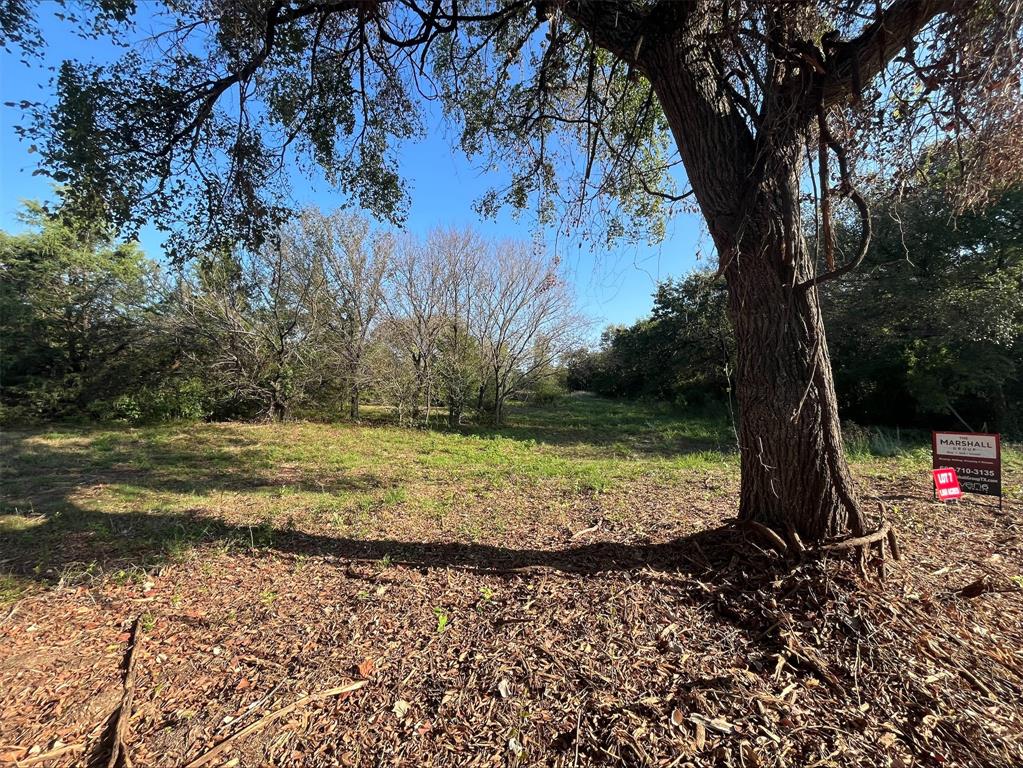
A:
(627, 627)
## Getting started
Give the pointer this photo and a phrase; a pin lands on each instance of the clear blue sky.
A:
(613, 287)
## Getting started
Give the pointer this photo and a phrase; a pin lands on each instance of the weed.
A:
(394, 496)
(11, 588)
(442, 619)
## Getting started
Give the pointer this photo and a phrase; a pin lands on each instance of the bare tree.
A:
(415, 304)
(356, 261)
(255, 320)
(526, 320)
(462, 254)
(396, 377)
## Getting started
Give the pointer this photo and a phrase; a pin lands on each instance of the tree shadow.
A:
(37, 476)
(45, 529)
(149, 539)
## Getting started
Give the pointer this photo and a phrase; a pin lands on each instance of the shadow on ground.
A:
(47, 535)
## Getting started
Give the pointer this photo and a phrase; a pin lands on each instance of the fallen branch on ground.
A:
(119, 748)
(53, 754)
(267, 719)
(592, 529)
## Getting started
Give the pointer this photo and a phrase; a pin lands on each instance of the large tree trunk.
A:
(354, 405)
(794, 473)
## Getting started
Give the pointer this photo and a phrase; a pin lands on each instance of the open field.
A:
(557, 592)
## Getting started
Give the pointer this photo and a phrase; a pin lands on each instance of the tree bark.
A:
(354, 406)
(277, 410)
(793, 469)
(498, 398)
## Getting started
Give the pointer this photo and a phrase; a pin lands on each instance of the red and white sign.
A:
(976, 458)
(946, 482)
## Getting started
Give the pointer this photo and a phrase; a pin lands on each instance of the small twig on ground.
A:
(119, 748)
(592, 529)
(53, 754)
(267, 719)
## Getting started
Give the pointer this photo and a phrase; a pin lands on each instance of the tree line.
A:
(327, 313)
(928, 332)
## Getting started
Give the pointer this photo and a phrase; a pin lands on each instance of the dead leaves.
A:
(401, 708)
(365, 668)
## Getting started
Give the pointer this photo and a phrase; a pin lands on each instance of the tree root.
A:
(859, 541)
(777, 542)
(119, 749)
(883, 537)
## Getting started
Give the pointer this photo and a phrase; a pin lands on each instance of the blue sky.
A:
(612, 287)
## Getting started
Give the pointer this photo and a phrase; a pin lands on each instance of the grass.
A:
(76, 497)
(555, 591)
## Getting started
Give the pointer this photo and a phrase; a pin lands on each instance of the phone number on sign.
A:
(978, 473)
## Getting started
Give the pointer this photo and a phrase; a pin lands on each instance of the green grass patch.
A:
(114, 497)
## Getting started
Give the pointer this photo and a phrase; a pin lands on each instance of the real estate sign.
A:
(975, 456)
(946, 484)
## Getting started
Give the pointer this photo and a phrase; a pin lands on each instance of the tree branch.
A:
(861, 59)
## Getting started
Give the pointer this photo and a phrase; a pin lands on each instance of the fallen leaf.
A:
(515, 746)
(401, 708)
(976, 588)
(718, 724)
(365, 667)
(504, 688)
(243, 684)
(677, 718)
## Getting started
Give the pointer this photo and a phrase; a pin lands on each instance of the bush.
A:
(185, 399)
(548, 390)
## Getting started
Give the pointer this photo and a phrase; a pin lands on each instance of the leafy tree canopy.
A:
(195, 125)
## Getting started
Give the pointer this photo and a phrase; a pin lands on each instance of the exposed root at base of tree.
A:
(883, 537)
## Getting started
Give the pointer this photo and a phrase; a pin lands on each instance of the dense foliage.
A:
(928, 332)
(326, 313)
(681, 353)
(76, 316)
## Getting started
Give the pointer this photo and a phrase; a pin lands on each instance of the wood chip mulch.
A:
(688, 645)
